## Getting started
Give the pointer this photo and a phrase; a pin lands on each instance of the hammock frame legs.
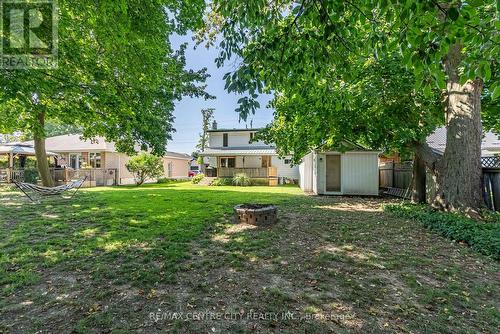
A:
(76, 187)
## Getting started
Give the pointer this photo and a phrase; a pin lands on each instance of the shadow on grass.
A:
(107, 259)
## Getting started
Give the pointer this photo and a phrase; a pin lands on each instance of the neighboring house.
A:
(195, 167)
(230, 151)
(353, 172)
(490, 145)
(98, 155)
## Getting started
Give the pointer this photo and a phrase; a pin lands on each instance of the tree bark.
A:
(41, 154)
(458, 174)
(419, 191)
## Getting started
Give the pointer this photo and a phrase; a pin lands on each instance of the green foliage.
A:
(241, 180)
(145, 166)
(167, 180)
(224, 181)
(118, 75)
(31, 175)
(483, 237)
(206, 117)
(368, 71)
(197, 178)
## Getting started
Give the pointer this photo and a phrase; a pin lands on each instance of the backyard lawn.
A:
(166, 258)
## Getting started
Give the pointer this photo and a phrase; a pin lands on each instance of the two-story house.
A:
(232, 151)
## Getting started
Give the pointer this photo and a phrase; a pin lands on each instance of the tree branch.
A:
(427, 154)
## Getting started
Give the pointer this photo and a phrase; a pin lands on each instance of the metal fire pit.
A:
(256, 214)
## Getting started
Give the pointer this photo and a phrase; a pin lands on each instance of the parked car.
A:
(192, 173)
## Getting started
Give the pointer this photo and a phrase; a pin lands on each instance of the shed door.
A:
(333, 173)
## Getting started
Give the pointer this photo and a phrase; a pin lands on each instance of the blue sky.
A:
(187, 112)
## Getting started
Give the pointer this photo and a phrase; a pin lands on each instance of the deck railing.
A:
(256, 173)
(95, 177)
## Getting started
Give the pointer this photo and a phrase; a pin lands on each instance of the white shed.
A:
(335, 173)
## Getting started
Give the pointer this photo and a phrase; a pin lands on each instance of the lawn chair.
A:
(50, 191)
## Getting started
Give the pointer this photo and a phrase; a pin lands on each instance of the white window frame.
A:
(227, 162)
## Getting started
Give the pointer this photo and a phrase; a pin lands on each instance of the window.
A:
(288, 161)
(75, 160)
(251, 136)
(95, 160)
(228, 162)
(225, 140)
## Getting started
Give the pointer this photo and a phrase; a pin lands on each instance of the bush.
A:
(241, 180)
(167, 180)
(31, 175)
(221, 182)
(482, 236)
(145, 166)
(197, 178)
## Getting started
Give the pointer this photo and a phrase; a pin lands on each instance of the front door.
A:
(333, 173)
(266, 161)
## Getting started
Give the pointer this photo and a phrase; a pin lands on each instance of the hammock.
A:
(49, 191)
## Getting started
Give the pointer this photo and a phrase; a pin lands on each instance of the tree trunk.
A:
(458, 172)
(419, 192)
(41, 154)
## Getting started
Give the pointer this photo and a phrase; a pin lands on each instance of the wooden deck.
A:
(254, 173)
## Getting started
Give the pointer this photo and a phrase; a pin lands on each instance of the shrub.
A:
(241, 180)
(31, 175)
(197, 178)
(221, 182)
(167, 180)
(145, 166)
(482, 236)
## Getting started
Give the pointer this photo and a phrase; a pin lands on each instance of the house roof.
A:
(235, 130)
(75, 143)
(490, 144)
(224, 151)
(178, 155)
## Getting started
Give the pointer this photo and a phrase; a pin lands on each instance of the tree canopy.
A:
(118, 75)
(288, 46)
(370, 70)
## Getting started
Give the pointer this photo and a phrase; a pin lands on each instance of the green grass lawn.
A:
(112, 258)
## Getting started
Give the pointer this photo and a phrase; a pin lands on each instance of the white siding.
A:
(321, 173)
(235, 139)
(285, 170)
(360, 173)
(306, 173)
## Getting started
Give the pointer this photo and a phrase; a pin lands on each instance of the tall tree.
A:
(206, 118)
(289, 46)
(118, 76)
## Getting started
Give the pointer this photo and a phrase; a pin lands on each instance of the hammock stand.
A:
(49, 191)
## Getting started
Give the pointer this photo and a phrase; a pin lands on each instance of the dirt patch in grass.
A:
(331, 264)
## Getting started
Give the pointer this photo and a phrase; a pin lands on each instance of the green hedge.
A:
(482, 236)
(222, 182)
